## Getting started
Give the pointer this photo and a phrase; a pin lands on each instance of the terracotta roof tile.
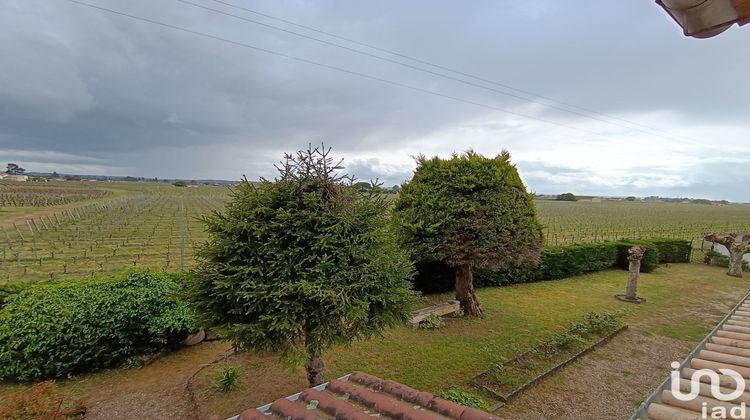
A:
(292, 410)
(380, 402)
(726, 347)
(361, 396)
(336, 407)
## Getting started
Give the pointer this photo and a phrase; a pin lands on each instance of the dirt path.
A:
(154, 392)
(609, 383)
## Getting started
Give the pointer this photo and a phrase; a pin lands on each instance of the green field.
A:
(119, 225)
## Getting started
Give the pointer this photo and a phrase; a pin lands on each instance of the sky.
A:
(88, 91)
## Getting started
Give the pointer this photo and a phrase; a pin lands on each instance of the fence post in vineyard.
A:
(30, 228)
(33, 222)
(44, 223)
(19, 233)
(7, 238)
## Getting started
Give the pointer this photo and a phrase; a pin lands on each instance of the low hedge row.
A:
(54, 330)
(673, 250)
(556, 262)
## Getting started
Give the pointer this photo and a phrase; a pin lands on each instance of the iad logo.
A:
(717, 412)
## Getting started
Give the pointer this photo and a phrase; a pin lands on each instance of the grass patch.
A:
(685, 330)
(227, 378)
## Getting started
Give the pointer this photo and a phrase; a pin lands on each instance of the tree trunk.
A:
(736, 254)
(314, 369)
(634, 268)
(465, 291)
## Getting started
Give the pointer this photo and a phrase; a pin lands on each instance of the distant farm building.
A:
(588, 198)
(8, 177)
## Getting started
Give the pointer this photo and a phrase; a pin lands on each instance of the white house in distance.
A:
(8, 177)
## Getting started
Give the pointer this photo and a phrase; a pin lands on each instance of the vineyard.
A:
(15, 194)
(116, 226)
(153, 226)
(583, 222)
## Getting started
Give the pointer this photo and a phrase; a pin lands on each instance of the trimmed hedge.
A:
(673, 250)
(54, 330)
(565, 261)
(556, 262)
(650, 261)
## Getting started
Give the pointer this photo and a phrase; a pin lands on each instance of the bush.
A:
(650, 261)
(41, 401)
(58, 329)
(465, 398)
(432, 322)
(227, 378)
(8, 290)
(594, 324)
(673, 250)
(556, 262)
(721, 260)
(565, 261)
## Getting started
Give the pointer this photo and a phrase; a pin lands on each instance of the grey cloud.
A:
(125, 96)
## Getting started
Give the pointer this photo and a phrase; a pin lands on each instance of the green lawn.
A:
(515, 319)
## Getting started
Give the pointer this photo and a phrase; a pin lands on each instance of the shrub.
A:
(432, 322)
(556, 262)
(465, 398)
(673, 250)
(721, 260)
(565, 261)
(302, 263)
(58, 329)
(41, 401)
(650, 261)
(8, 290)
(468, 212)
(560, 341)
(227, 378)
(593, 323)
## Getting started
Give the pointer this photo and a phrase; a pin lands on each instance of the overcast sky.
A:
(86, 91)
